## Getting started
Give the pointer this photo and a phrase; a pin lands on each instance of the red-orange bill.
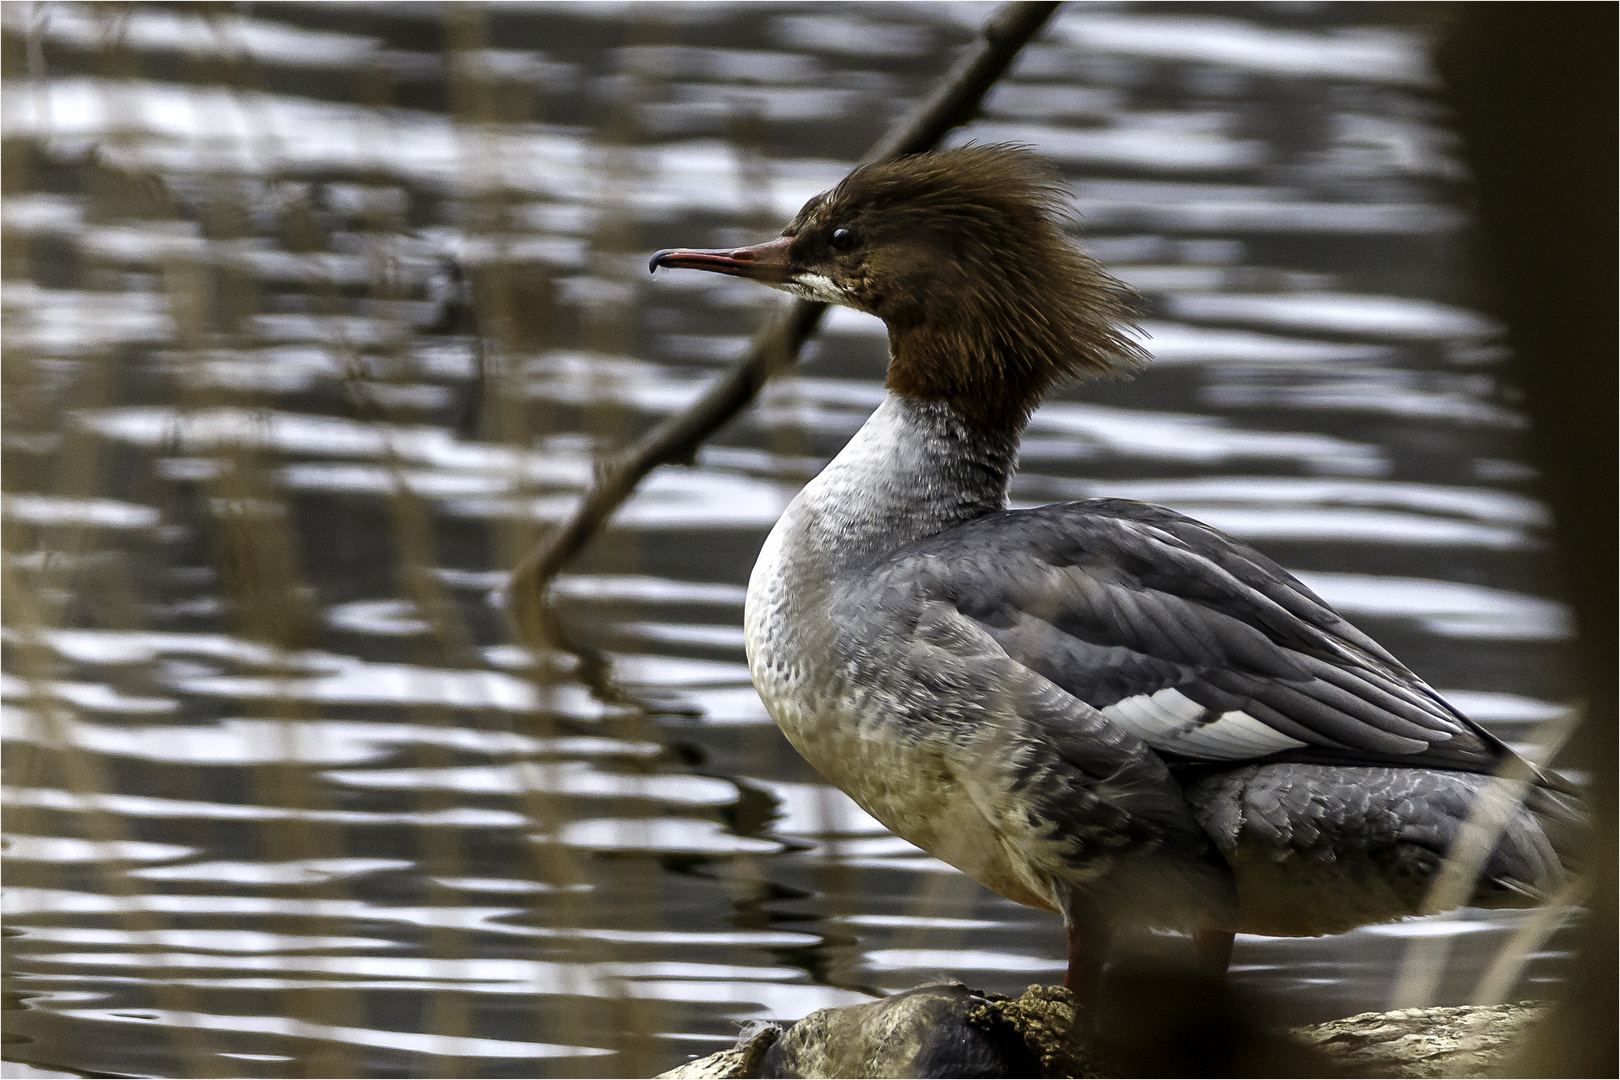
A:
(765, 262)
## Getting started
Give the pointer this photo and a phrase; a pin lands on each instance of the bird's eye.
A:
(842, 239)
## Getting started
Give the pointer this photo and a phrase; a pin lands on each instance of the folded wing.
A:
(1194, 643)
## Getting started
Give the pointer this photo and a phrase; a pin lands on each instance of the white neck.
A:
(913, 470)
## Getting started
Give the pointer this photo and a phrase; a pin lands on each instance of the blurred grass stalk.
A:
(35, 608)
(1423, 966)
(214, 301)
(508, 293)
(482, 108)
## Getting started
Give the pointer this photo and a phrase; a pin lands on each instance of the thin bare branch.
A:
(777, 345)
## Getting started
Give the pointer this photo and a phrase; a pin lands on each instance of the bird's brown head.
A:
(963, 255)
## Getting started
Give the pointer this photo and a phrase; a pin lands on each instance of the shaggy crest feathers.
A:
(963, 254)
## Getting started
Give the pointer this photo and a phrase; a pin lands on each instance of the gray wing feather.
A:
(1097, 790)
(1117, 602)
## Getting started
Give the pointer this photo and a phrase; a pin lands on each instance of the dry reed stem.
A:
(1423, 965)
(1508, 965)
(501, 400)
(29, 609)
(257, 547)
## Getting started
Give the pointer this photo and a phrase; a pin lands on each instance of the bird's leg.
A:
(1213, 948)
(1088, 949)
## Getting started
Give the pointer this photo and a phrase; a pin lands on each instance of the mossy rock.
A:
(950, 1030)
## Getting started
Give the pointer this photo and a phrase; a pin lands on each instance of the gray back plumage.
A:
(1117, 602)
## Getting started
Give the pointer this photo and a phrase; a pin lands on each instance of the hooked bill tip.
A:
(652, 263)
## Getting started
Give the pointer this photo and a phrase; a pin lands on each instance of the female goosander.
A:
(1100, 708)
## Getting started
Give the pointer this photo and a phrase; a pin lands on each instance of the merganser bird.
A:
(1100, 708)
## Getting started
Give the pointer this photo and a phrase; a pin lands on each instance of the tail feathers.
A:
(1318, 849)
(1563, 820)
(1537, 853)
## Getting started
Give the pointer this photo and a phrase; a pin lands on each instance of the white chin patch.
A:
(817, 287)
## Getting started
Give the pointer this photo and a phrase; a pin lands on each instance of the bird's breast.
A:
(870, 739)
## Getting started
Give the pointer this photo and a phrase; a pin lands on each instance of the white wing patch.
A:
(1177, 704)
(1168, 720)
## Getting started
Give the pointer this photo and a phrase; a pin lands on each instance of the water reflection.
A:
(366, 834)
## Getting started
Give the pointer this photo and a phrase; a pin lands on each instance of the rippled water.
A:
(282, 798)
